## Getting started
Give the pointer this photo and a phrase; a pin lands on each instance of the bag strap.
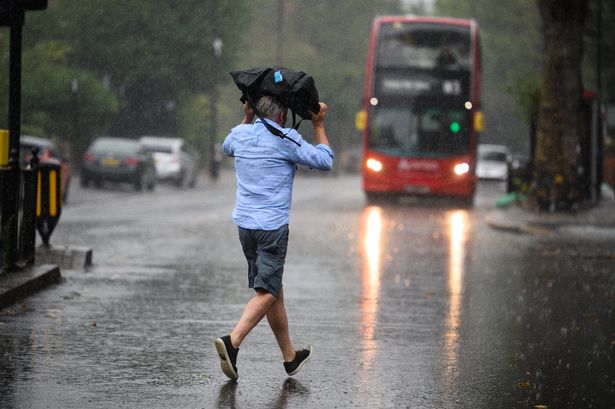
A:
(270, 127)
(295, 123)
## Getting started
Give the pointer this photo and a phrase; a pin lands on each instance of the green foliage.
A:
(326, 39)
(194, 119)
(149, 52)
(512, 57)
(526, 89)
(63, 101)
(147, 66)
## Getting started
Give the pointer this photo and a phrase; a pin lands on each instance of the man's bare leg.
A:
(253, 313)
(278, 321)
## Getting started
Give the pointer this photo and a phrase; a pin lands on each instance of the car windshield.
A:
(116, 146)
(420, 132)
(493, 156)
(158, 148)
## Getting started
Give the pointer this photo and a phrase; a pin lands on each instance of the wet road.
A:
(418, 305)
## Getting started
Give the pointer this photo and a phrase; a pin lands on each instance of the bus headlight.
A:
(374, 165)
(461, 168)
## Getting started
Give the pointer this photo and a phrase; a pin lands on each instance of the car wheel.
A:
(151, 183)
(192, 183)
(378, 198)
(139, 182)
(179, 182)
(65, 192)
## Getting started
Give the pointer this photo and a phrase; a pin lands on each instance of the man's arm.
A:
(248, 114)
(248, 117)
(319, 156)
(318, 121)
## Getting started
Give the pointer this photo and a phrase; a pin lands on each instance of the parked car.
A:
(118, 160)
(173, 161)
(48, 152)
(493, 162)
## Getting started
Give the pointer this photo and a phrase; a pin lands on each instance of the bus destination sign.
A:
(422, 85)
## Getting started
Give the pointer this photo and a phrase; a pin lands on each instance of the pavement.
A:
(597, 220)
(19, 284)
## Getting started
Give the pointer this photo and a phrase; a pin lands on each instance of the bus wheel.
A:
(466, 202)
(376, 198)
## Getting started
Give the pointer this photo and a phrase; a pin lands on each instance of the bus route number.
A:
(451, 87)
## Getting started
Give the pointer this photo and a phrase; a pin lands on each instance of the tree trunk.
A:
(559, 121)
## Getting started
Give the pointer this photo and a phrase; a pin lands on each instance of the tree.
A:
(559, 120)
(51, 106)
(328, 40)
(510, 60)
(153, 54)
(61, 101)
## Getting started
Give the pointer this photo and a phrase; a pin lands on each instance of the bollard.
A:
(9, 214)
(48, 199)
(27, 222)
(4, 148)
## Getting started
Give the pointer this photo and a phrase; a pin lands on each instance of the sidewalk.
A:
(16, 286)
(597, 220)
(20, 284)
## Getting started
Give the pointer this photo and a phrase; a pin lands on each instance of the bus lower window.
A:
(428, 132)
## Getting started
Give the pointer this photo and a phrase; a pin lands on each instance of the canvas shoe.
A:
(301, 358)
(228, 356)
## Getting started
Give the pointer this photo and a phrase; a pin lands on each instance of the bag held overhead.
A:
(295, 89)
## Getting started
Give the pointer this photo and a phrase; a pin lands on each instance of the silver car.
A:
(492, 162)
(173, 161)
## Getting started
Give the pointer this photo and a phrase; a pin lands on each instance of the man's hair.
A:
(271, 107)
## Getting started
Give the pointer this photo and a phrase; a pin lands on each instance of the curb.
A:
(18, 285)
(518, 227)
(66, 257)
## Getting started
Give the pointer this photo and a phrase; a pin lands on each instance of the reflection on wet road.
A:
(457, 225)
(414, 304)
(370, 279)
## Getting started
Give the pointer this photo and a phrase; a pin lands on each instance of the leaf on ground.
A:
(523, 384)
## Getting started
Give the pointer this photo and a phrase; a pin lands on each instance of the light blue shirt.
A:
(265, 169)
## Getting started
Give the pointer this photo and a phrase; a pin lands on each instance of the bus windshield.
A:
(426, 46)
(419, 132)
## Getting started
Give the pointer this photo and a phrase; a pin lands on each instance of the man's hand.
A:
(248, 113)
(318, 120)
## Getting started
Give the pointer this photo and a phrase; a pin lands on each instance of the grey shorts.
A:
(265, 251)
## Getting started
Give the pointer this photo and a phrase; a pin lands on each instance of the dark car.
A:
(118, 160)
(48, 152)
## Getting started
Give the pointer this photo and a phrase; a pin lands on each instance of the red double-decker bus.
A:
(422, 109)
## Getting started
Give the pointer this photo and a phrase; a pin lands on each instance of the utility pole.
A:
(217, 53)
(279, 49)
(10, 194)
(599, 141)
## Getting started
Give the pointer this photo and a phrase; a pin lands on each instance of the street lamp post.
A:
(213, 157)
(279, 50)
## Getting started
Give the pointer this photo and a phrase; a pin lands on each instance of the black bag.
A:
(295, 89)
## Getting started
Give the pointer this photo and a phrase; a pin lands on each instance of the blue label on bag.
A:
(277, 76)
